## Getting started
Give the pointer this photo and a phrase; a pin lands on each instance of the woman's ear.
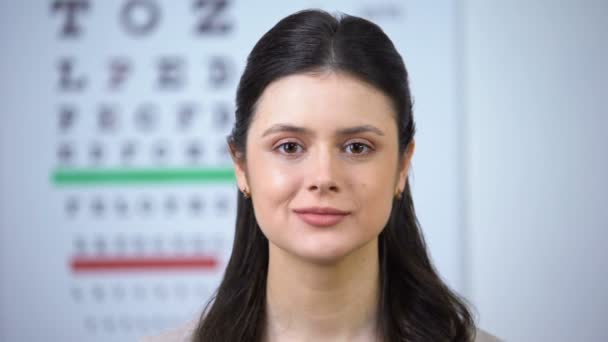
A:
(240, 169)
(405, 165)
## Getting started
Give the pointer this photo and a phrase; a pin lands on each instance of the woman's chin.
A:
(323, 258)
(323, 254)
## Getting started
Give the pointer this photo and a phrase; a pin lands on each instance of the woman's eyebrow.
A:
(360, 129)
(341, 132)
(286, 128)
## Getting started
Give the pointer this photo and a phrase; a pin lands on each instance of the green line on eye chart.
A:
(142, 176)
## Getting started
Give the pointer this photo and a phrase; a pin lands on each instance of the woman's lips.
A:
(321, 217)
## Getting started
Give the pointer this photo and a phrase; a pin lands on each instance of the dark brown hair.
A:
(415, 304)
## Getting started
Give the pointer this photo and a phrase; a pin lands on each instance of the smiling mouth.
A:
(321, 217)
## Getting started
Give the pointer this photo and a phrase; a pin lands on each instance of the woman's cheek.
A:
(276, 179)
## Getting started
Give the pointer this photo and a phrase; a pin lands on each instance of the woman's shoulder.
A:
(484, 336)
(182, 333)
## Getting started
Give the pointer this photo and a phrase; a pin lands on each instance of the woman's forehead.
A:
(328, 100)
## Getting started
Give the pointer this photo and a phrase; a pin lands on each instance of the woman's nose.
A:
(324, 173)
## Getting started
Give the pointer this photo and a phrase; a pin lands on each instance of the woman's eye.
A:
(358, 148)
(289, 147)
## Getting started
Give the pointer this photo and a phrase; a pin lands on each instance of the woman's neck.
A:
(312, 302)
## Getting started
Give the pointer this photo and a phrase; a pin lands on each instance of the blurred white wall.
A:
(536, 82)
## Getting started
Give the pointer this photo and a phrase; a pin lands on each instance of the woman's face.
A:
(322, 165)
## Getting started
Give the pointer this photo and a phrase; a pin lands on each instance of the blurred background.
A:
(117, 196)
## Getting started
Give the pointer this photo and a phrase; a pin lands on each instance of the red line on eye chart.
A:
(109, 264)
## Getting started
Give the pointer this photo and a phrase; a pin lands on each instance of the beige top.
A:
(184, 332)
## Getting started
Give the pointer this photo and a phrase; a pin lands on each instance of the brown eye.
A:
(289, 147)
(357, 148)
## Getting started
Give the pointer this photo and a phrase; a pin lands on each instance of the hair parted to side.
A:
(415, 304)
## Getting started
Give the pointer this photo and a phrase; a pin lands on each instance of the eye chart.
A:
(118, 196)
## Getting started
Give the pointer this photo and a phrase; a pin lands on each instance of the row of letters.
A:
(121, 293)
(149, 207)
(146, 118)
(141, 18)
(170, 73)
(131, 324)
(138, 245)
(132, 153)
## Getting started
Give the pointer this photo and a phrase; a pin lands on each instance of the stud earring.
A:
(398, 194)
(246, 193)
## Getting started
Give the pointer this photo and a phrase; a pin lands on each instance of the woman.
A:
(327, 245)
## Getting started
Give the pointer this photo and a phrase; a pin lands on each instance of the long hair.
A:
(415, 304)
